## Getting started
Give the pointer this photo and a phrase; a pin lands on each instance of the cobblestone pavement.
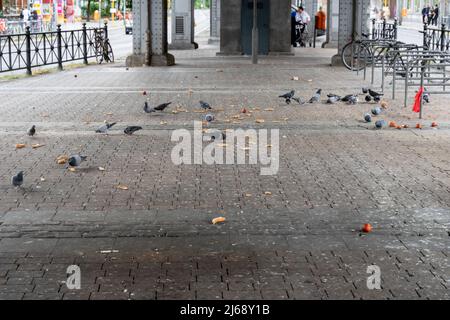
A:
(294, 235)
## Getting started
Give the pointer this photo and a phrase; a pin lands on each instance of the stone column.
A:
(150, 34)
(353, 20)
(214, 36)
(230, 27)
(183, 25)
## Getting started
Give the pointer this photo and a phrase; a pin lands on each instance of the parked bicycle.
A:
(103, 48)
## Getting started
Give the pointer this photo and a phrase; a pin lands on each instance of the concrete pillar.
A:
(280, 28)
(353, 20)
(230, 27)
(332, 24)
(183, 25)
(150, 34)
(214, 36)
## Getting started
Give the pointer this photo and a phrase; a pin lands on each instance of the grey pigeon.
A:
(288, 95)
(147, 109)
(332, 98)
(426, 96)
(162, 106)
(131, 129)
(352, 99)
(17, 180)
(316, 96)
(376, 111)
(365, 90)
(32, 131)
(205, 105)
(218, 134)
(209, 117)
(347, 97)
(380, 124)
(104, 128)
(377, 98)
(75, 160)
(368, 117)
(368, 98)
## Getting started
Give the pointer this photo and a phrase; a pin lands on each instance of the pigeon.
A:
(209, 117)
(333, 99)
(104, 128)
(75, 160)
(147, 109)
(380, 124)
(426, 96)
(376, 111)
(368, 117)
(365, 90)
(375, 94)
(131, 129)
(353, 99)
(288, 96)
(347, 97)
(17, 180)
(160, 107)
(205, 105)
(368, 98)
(218, 134)
(377, 98)
(32, 131)
(316, 96)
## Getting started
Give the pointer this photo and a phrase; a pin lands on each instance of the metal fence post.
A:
(395, 28)
(28, 49)
(425, 28)
(59, 44)
(85, 53)
(442, 37)
(384, 28)
(373, 28)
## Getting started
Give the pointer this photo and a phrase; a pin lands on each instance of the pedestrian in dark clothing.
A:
(435, 15)
(293, 31)
(425, 15)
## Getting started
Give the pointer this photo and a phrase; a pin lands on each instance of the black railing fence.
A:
(382, 29)
(436, 38)
(34, 49)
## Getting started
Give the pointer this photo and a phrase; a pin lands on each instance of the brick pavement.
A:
(155, 240)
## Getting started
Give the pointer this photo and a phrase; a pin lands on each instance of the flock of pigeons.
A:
(371, 95)
(333, 98)
(76, 159)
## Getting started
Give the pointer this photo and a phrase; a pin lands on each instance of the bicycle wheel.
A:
(99, 53)
(356, 56)
(109, 55)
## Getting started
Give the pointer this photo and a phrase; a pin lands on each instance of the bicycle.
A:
(103, 49)
(359, 54)
(302, 35)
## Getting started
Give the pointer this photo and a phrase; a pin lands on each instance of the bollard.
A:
(373, 29)
(106, 30)
(384, 29)
(442, 37)
(425, 28)
(85, 51)
(59, 44)
(28, 50)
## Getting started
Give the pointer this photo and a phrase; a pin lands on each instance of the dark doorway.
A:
(247, 26)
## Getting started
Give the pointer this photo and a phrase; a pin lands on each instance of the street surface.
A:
(140, 227)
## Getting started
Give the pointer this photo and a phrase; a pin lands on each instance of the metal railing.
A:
(384, 30)
(436, 38)
(28, 50)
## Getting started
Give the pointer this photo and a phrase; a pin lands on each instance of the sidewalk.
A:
(294, 235)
